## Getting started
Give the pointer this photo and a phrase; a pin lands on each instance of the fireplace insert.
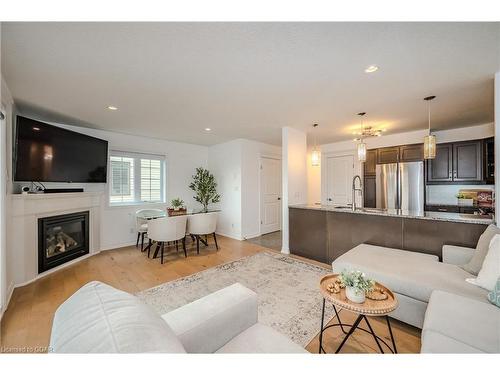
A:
(62, 238)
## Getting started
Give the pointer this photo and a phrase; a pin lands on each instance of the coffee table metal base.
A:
(352, 328)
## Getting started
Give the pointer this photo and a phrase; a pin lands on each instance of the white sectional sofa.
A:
(101, 319)
(456, 316)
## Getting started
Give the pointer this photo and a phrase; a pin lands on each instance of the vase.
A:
(354, 295)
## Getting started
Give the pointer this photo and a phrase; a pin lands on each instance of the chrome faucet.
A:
(354, 190)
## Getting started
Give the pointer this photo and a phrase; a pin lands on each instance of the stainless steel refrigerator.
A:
(400, 186)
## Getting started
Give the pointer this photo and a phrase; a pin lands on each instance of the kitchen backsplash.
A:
(446, 194)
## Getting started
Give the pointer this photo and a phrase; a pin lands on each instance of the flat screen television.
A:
(48, 153)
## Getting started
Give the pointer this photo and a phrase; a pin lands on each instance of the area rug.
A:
(289, 299)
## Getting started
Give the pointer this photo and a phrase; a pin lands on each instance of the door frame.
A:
(274, 157)
(357, 169)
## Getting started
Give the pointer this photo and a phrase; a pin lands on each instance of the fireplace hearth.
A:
(62, 238)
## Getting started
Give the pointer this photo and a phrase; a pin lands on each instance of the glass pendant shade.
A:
(362, 151)
(430, 147)
(315, 158)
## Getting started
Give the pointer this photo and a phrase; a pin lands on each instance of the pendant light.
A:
(361, 144)
(429, 140)
(315, 155)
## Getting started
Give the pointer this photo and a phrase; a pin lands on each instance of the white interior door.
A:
(270, 195)
(339, 174)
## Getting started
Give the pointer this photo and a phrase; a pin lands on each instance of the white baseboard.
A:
(239, 238)
(117, 246)
(10, 291)
(251, 236)
(39, 276)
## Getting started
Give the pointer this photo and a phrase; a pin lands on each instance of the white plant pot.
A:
(354, 295)
(466, 202)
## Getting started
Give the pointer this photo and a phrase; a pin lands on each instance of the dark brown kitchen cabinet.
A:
(387, 155)
(489, 160)
(457, 162)
(467, 161)
(370, 163)
(411, 153)
(369, 193)
(440, 169)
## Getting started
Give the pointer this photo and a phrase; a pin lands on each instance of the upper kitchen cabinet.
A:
(458, 162)
(370, 163)
(405, 153)
(409, 153)
(489, 160)
(468, 161)
(387, 155)
(440, 169)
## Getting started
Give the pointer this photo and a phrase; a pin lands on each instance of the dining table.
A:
(151, 215)
(159, 214)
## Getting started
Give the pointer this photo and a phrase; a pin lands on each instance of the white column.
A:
(294, 172)
(497, 145)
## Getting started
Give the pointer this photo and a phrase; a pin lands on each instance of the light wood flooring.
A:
(26, 324)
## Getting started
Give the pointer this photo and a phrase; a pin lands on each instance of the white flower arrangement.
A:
(356, 280)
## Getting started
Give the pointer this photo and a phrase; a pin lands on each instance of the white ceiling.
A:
(247, 80)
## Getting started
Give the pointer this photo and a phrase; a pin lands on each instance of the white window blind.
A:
(136, 178)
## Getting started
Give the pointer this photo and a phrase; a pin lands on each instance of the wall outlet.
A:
(132, 230)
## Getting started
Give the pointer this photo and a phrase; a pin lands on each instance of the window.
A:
(136, 178)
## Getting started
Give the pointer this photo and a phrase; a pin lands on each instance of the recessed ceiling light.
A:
(207, 129)
(112, 108)
(36, 129)
(371, 69)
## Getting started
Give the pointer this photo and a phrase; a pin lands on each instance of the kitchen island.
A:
(323, 232)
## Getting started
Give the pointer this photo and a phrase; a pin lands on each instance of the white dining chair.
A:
(203, 225)
(167, 229)
(141, 223)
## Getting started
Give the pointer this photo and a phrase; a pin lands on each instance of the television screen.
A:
(49, 153)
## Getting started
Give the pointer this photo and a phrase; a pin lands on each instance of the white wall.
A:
(225, 164)
(6, 274)
(250, 189)
(236, 166)
(294, 175)
(497, 142)
(452, 135)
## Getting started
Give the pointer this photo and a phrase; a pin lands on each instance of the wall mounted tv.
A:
(49, 153)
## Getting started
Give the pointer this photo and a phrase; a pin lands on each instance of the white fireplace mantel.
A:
(27, 209)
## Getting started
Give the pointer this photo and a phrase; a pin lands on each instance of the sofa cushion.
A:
(207, 324)
(483, 244)
(101, 319)
(261, 339)
(494, 295)
(490, 270)
(452, 321)
(412, 274)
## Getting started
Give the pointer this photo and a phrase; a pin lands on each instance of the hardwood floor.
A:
(27, 323)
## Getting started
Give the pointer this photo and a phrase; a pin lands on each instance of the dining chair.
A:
(141, 223)
(167, 229)
(203, 225)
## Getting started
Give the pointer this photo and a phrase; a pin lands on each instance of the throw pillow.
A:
(494, 295)
(474, 265)
(490, 271)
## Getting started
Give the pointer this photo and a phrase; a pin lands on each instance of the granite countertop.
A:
(425, 215)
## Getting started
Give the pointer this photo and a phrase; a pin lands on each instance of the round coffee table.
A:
(368, 308)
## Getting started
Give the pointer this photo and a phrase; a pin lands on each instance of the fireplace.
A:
(62, 238)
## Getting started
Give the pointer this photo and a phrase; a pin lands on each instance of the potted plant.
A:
(177, 207)
(464, 200)
(205, 187)
(177, 204)
(356, 285)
